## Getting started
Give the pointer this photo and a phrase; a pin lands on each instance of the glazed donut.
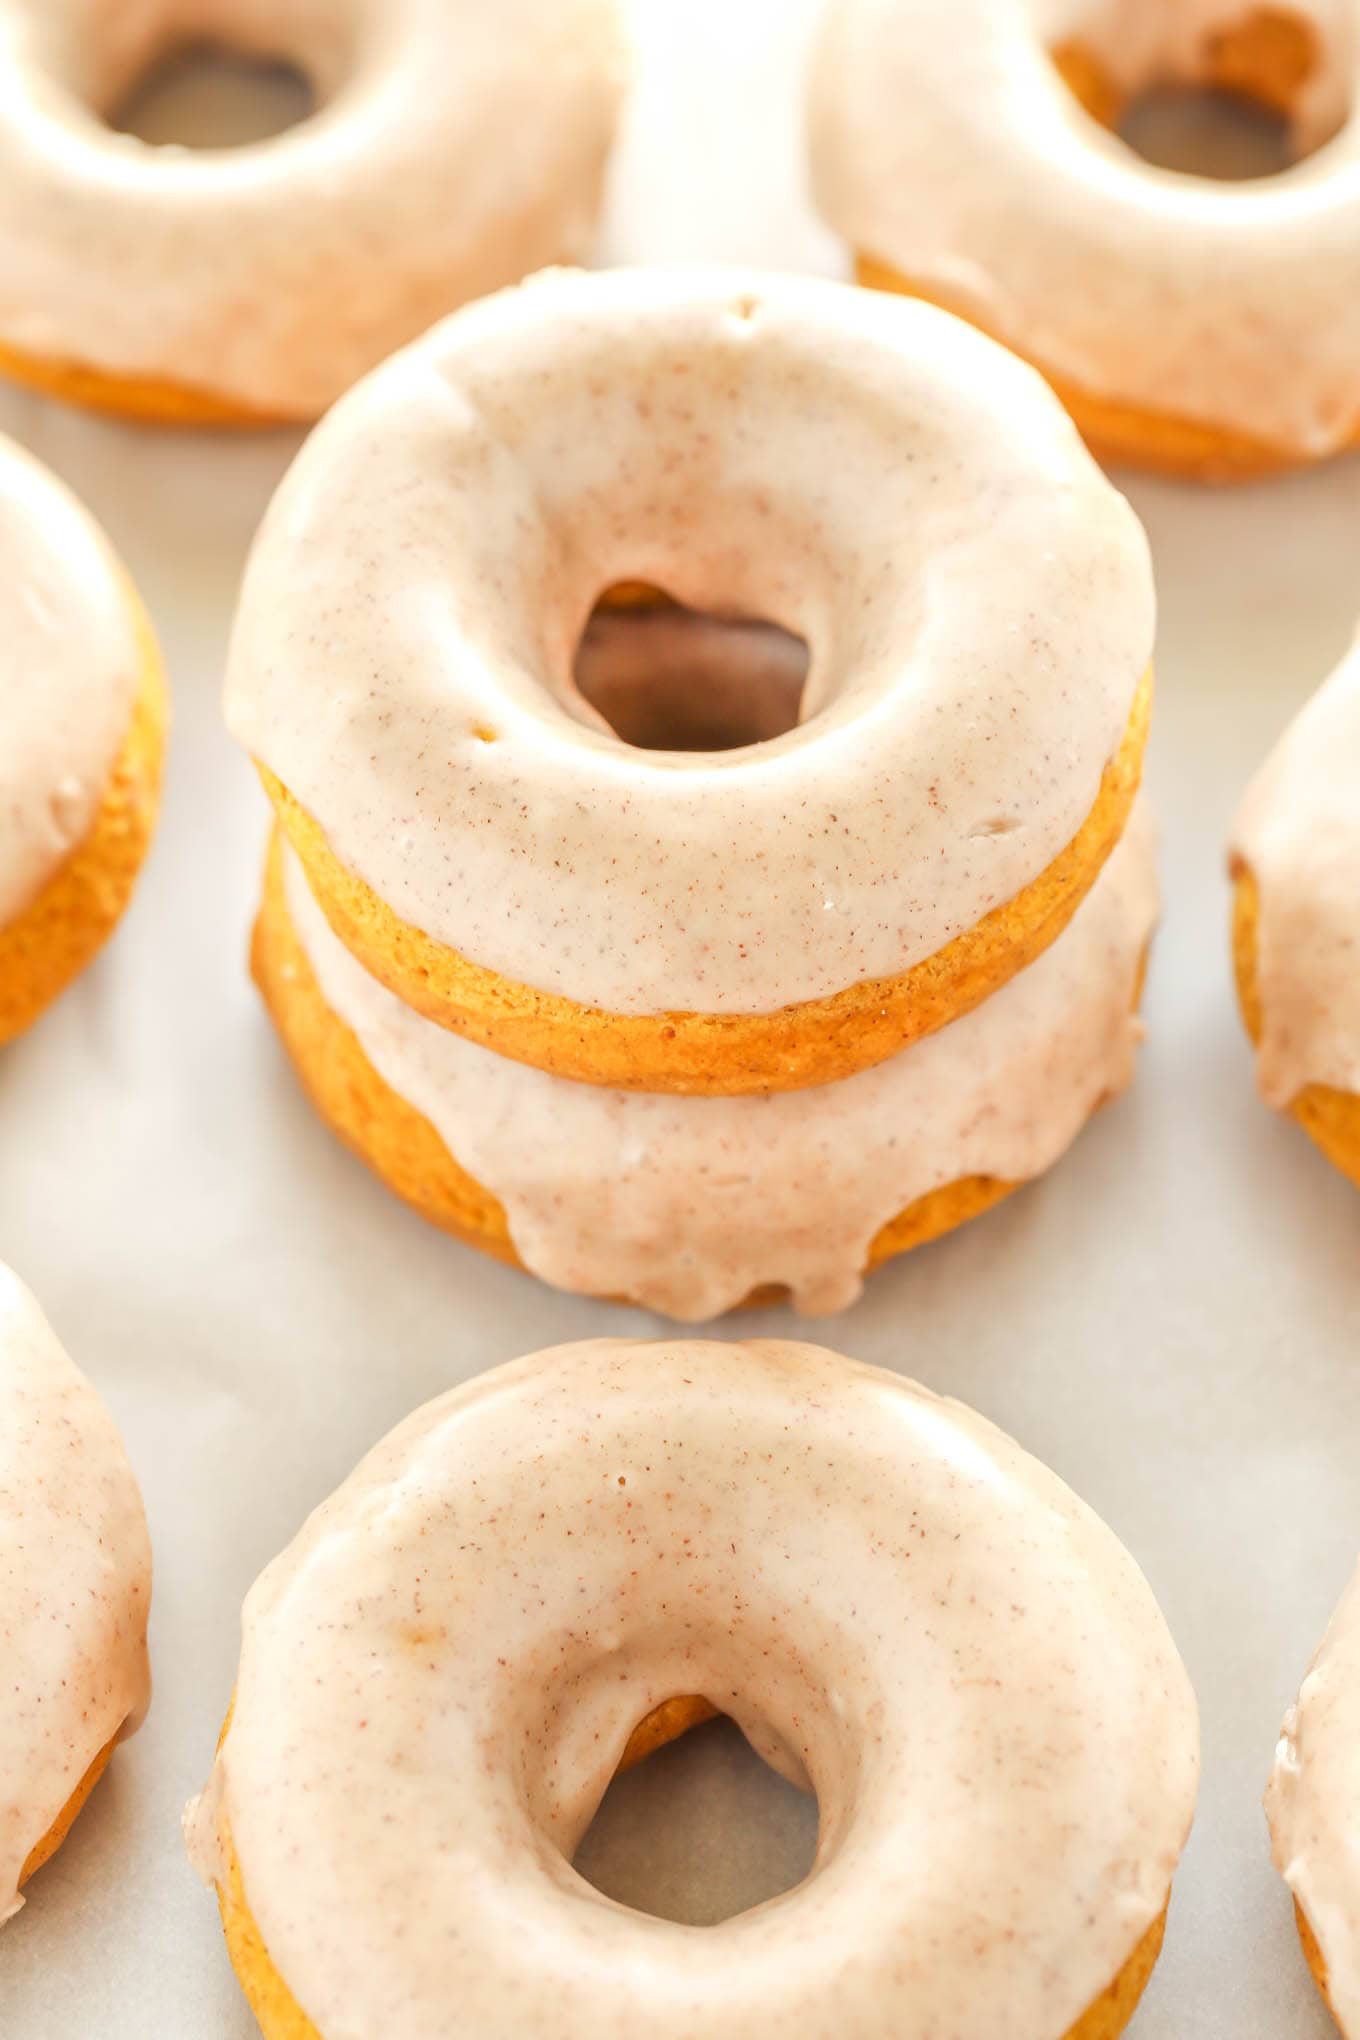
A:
(457, 147)
(868, 474)
(75, 1589)
(1203, 328)
(1313, 1804)
(1296, 864)
(692, 1205)
(83, 713)
(902, 1611)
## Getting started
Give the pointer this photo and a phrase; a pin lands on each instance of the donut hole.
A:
(207, 96)
(701, 1831)
(1205, 132)
(668, 678)
(1246, 96)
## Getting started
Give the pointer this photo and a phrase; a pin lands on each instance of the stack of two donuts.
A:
(689, 1026)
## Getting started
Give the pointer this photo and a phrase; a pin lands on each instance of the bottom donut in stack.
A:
(691, 1206)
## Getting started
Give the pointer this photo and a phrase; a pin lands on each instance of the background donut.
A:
(978, 169)
(454, 148)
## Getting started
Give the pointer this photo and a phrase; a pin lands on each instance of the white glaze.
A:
(1299, 833)
(75, 1583)
(688, 1204)
(963, 161)
(1313, 1806)
(892, 1599)
(70, 663)
(458, 147)
(866, 472)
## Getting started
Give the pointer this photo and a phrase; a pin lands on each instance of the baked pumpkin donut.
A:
(83, 714)
(1313, 1805)
(692, 1205)
(455, 148)
(441, 1674)
(75, 1589)
(1296, 927)
(869, 474)
(1202, 328)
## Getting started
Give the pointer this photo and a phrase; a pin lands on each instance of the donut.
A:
(1197, 327)
(83, 714)
(1295, 860)
(75, 1589)
(900, 1608)
(1312, 1804)
(692, 1205)
(456, 147)
(868, 474)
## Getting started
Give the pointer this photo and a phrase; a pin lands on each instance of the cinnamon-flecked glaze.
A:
(963, 163)
(75, 1585)
(1313, 1805)
(1298, 836)
(976, 599)
(71, 659)
(457, 146)
(688, 1205)
(897, 1604)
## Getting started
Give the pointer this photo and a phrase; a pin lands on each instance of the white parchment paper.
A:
(1172, 1319)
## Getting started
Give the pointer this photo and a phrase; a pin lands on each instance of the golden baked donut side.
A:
(53, 938)
(395, 1140)
(147, 400)
(1313, 1956)
(1329, 1116)
(46, 1849)
(720, 1054)
(1118, 434)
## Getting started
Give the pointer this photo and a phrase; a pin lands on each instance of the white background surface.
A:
(1171, 1319)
